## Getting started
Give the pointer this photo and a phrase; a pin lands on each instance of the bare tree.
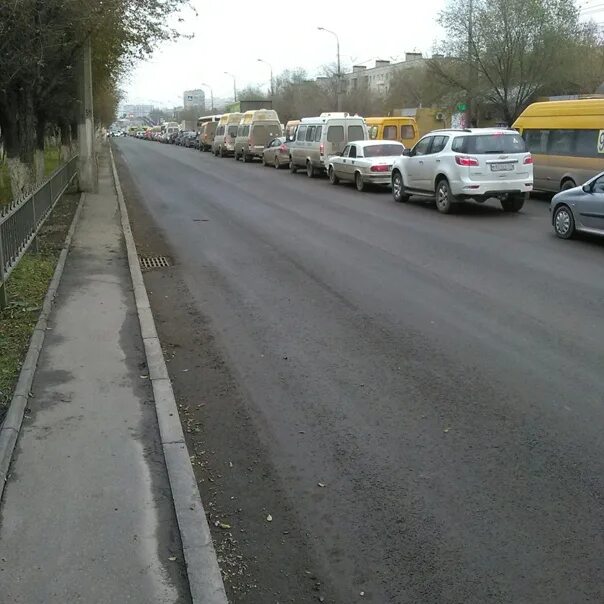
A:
(509, 51)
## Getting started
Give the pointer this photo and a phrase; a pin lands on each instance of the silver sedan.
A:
(364, 163)
(276, 153)
(579, 209)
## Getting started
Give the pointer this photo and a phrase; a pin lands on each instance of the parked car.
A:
(224, 141)
(276, 153)
(188, 139)
(318, 138)
(402, 129)
(579, 209)
(365, 163)
(207, 135)
(470, 164)
(566, 139)
(256, 129)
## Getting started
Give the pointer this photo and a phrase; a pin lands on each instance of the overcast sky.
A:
(232, 36)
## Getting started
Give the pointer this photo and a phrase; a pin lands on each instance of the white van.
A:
(318, 138)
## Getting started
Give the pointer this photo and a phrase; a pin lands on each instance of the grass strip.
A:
(26, 288)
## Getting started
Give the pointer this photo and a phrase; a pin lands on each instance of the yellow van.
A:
(566, 139)
(402, 129)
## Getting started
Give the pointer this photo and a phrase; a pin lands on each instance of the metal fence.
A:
(21, 220)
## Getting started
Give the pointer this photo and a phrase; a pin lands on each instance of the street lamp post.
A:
(211, 95)
(271, 68)
(234, 85)
(339, 73)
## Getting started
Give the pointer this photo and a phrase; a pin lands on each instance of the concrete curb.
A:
(11, 426)
(205, 580)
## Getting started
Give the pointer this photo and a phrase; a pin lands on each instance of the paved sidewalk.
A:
(87, 514)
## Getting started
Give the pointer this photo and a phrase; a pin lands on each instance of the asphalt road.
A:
(441, 376)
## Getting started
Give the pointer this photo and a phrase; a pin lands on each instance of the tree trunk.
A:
(39, 160)
(65, 148)
(18, 128)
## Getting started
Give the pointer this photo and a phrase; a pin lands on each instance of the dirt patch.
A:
(264, 553)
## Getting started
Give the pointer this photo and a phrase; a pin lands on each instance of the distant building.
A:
(377, 79)
(136, 111)
(193, 98)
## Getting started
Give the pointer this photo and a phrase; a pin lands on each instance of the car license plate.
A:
(502, 167)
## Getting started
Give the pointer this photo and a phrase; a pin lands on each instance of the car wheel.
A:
(567, 184)
(277, 163)
(264, 161)
(564, 222)
(398, 188)
(359, 183)
(513, 203)
(222, 153)
(216, 152)
(292, 166)
(245, 157)
(310, 171)
(333, 179)
(444, 198)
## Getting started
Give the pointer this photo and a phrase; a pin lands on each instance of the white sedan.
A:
(364, 163)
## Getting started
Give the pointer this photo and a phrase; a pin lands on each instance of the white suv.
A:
(455, 165)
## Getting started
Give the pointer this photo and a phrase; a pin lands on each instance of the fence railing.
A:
(21, 220)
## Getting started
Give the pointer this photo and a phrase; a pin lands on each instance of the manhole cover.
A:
(150, 262)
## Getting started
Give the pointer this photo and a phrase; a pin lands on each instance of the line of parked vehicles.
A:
(553, 146)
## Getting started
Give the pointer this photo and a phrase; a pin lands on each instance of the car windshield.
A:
(382, 150)
(498, 142)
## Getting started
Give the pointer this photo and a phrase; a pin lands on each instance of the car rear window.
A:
(488, 144)
(382, 150)
(356, 133)
(232, 130)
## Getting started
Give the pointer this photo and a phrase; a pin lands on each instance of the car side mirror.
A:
(407, 152)
(587, 188)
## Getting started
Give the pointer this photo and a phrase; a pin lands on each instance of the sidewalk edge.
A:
(205, 580)
(11, 426)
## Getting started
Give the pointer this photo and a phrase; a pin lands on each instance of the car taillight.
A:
(379, 168)
(465, 160)
(528, 160)
(322, 149)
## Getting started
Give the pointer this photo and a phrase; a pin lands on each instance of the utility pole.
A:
(234, 85)
(211, 96)
(470, 63)
(88, 176)
(271, 68)
(339, 73)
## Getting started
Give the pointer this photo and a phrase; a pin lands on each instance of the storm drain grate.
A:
(150, 262)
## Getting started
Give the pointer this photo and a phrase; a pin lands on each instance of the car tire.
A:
(222, 153)
(564, 222)
(310, 170)
(264, 161)
(359, 183)
(398, 187)
(245, 157)
(292, 166)
(277, 163)
(333, 179)
(445, 200)
(215, 152)
(513, 203)
(567, 184)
